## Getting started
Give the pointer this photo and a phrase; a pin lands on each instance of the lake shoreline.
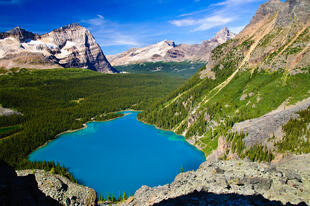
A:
(197, 147)
(122, 136)
(84, 126)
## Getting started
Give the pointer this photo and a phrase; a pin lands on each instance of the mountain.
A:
(252, 98)
(168, 51)
(68, 46)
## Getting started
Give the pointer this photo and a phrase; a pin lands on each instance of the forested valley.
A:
(54, 101)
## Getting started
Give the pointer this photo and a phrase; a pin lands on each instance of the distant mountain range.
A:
(74, 46)
(68, 46)
(168, 51)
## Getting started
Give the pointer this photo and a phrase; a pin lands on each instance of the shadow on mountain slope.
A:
(21, 191)
(206, 198)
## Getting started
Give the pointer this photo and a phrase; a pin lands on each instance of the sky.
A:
(119, 25)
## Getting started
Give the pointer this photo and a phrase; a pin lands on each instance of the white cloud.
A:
(226, 4)
(99, 20)
(184, 22)
(219, 14)
(203, 23)
(108, 33)
(237, 29)
(213, 21)
(194, 12)
(117, 39)
(234, 2)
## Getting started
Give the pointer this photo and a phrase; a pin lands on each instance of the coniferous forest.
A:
(53, 101)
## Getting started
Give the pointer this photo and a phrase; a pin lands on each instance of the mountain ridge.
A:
(265, 66)
(68, 46)
(169, 51)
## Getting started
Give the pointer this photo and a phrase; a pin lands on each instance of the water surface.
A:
(121, 155)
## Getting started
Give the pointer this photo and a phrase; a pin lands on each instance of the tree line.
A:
(53, 101)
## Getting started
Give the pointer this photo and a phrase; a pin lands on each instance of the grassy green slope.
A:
(249, 82)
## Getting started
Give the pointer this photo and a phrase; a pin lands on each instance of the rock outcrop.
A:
(20, 34)
(233, 182)
(259, 130)
(37, 187)
(68, 46)
(7, 111)
(61, 189)
(287, 12)
(168, 51)
(278, 36)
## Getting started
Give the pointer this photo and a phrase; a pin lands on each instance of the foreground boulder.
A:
(234, 182)
(37, 187)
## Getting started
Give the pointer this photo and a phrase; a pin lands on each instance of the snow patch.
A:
(160, 48)
(70, 44)
(35, 44)
(51, 46)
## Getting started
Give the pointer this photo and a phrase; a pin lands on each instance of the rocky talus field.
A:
(234, 182)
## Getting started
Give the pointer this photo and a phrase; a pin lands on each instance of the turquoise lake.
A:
(121, 155)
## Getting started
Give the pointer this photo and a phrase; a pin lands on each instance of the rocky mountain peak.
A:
(268, 8)
(15, 30)
(223, 35)
(18, 33)
(73, 26)
(169, 43)
(169, 51)
(287, 12)
(68, 46)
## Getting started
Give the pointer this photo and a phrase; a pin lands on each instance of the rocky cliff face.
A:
(234, 183)
(68, 46)
(19, 33)
(277, 37)
(168, 51)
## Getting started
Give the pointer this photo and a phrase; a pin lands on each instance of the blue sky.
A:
(119, 25)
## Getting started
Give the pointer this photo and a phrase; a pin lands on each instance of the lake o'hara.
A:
(121, 155)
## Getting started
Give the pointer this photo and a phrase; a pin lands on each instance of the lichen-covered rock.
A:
(233, 182)
(61, 189)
